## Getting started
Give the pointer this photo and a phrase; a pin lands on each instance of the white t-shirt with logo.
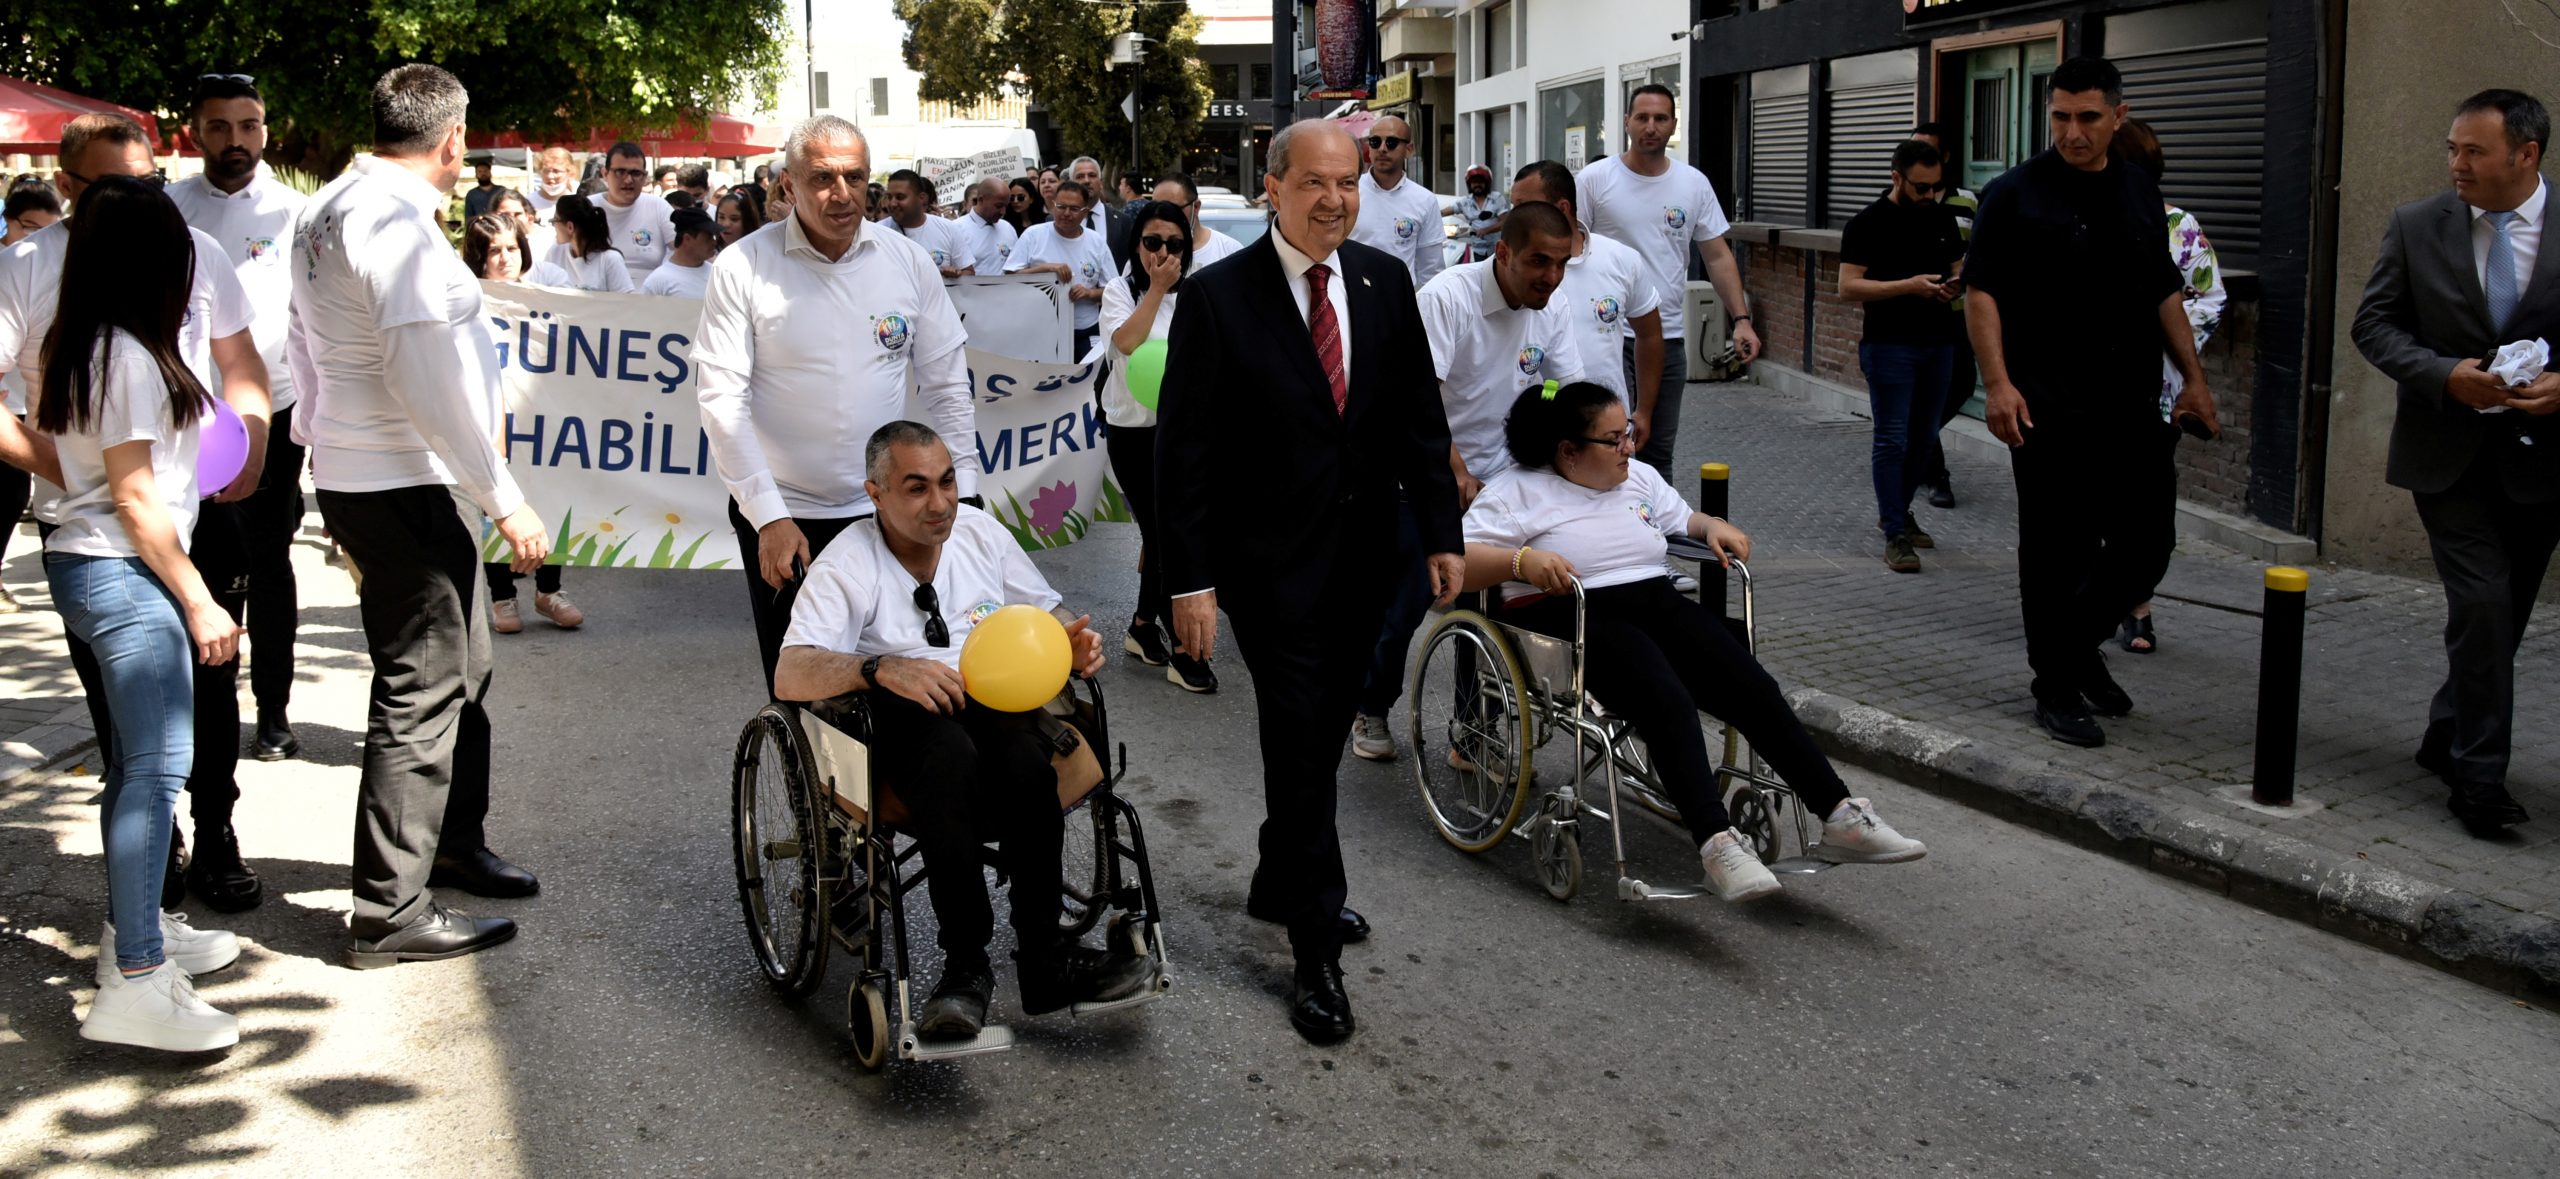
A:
(604, 272)
(1612, 537)
(130, 403)
(1603, 288)
(941, 238)
(858, 600)
(990, 243)
(254, 227)
(1661, 218)
(1088, 253)
(1486, 352)
(1212, 245)
(1403, 221)
(676, 278)
(644, 230)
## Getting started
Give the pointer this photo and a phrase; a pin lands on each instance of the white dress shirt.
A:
(1486, 351)
(389, 343)
(254, 227)
(990, 242)
(1403, 221)
(2524, 238)
(1120, 407)
(802, 358)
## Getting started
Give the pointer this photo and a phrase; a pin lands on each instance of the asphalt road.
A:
(2009, 1006)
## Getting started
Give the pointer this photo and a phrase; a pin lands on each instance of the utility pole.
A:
(1284, 63)
(1130, 49)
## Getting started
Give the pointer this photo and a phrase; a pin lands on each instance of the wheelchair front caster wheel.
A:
(867, 1019)
(1756, 818)
(1556, 850)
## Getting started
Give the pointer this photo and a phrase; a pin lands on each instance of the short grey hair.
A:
(875, 453)
(414, 107)
(1287, 137)
(820, 130)
(1097, 165)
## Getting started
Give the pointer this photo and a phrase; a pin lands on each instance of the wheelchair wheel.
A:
(1755, 816)
(1473, 749)
(867, 1021)
(776, 840)
(1086, 889)
(1555, 848)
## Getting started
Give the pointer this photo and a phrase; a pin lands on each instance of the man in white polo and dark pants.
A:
(399, 403)
(811, 334)
(1396, 214)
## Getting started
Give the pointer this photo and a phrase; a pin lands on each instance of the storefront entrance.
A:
(2001, 109)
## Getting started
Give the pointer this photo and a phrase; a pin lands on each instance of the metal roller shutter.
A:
(2208, 104)
(1781, 148)
(1866, 123)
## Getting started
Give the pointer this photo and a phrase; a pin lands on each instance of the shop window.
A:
(1570, 122)
(1225, 80)
(1496, 21)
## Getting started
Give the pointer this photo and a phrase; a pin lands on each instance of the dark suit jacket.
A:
(1118, 229)
(1261, 485)
(2423, 312)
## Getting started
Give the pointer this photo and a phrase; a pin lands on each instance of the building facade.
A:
(1544, 79)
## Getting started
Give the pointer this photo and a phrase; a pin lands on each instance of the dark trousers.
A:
(967, 778)
(1133, 465)
(1084, 343)
(425, 786)
(1665, 426)
(2097, 517)
(1906, 386)
(270, 519)
(2491, 553)
(1405, 612)
(502, 580)
(1658, 658)
(16, 487)
(1960, 382)
(772, 607)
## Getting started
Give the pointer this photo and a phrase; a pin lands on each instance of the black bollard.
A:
(2280, 685)
(1715, 498)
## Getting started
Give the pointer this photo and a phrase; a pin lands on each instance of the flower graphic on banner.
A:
(1050, 505)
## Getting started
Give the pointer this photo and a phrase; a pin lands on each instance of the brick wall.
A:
(1775, 279)
(2216, 474)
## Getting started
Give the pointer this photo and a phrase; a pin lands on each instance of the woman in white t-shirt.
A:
(1137, 308)
(495, 249)
(586, 249)
(117, 415)
(1578, 507)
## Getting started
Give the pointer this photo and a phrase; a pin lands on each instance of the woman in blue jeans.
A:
(117, 412)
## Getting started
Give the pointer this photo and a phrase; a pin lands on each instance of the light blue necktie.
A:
(2500, 278)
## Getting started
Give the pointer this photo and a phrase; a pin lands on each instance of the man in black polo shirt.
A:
(2072, 299)
(1900, 257)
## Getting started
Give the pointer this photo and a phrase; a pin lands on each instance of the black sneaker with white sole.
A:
(1146, 641)
(1189, 674)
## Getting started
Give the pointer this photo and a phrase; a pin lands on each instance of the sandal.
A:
(2137, 630)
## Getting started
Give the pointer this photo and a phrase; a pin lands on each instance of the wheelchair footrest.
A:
(993, 1038)
(1801, 866)
(1154, 990)
(1632, 889)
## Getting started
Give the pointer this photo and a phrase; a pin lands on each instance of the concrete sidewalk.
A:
(1939, 661)
(43, 715)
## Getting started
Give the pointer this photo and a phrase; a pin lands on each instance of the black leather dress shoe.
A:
(958, 1008)
(443, 933)
(2070, 723)
(218, 877)
(275, 740)
(1318, 1008)
(1942, 494)
(1355, 928)
(2485, 808)
(2105, 696)
(2434, 759)
(482, 874)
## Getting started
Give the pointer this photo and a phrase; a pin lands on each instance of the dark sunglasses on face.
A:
(1926, 189)
(937, 633)
(1170, 244)
(1387, 142)
(152, 180)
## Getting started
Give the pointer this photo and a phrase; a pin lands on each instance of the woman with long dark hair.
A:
(741, 212)
(1137, 309)
(1025, 206)
(120, 411)
(586, 249)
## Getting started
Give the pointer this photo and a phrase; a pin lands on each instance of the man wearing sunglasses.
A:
(885, 611)
(1396, 214)
(1900, 257)
(641, 221)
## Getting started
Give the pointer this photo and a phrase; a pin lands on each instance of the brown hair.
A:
(2137, 144)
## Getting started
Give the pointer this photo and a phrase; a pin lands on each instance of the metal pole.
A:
(2280, 685)
(1284, 66)
(1715, 498)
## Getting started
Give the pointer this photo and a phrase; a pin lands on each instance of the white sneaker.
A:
(1370, 739)
(9, 602)
(1681, 582)
(196, 951)
(1733, 872)
(1854, 835)
(159, 1010)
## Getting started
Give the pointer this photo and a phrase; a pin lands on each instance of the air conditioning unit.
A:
(1710, 340)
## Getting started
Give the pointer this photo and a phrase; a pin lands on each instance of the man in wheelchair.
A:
(1577, 506)
(884, 611)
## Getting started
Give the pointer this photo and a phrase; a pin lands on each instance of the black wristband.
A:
(871, 672)
(1739, 318)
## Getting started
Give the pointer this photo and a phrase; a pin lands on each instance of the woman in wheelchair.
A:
(884, 611)
(1578, 507)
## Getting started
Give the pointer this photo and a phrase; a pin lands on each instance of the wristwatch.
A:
(871, 671)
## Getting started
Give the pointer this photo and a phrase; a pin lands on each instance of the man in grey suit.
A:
(2460, 274)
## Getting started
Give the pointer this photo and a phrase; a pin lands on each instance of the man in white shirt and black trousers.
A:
(811, 333)
(399, 403)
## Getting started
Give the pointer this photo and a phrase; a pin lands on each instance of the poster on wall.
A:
(1575, 151)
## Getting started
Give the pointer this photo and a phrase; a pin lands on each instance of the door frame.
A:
(1945, 93)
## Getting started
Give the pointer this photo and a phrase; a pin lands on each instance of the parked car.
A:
(1239, 222)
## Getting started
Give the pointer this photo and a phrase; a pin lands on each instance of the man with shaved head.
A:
(989, 236)
(1397, 214)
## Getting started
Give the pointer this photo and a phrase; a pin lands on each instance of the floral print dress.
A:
(2193, 253)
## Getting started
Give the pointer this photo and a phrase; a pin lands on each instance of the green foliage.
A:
(544, 67)
(1058, 51)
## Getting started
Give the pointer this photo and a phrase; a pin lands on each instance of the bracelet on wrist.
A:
(1516, 556)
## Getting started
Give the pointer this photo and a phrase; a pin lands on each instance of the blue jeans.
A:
(146, 665)
(1665, 426)
(1907, 383)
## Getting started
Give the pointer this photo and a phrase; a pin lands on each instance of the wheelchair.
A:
(820, 860)
(1486, 696)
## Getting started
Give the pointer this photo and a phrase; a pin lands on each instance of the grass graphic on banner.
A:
(615, 537)
(1052, 522)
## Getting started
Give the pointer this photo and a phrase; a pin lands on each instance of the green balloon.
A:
(1146, 373)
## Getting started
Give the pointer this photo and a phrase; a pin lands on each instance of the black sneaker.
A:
(1146, 641)
(958, 1008)
(218, 876)
(1190, 675)
(275, 740)
(1081, 974)
(2070, 723)
(1942, 494)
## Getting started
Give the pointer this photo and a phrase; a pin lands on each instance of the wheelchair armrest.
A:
(849, 713)
(1690, 548)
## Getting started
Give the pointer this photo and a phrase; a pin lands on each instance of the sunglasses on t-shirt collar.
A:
(937, 633)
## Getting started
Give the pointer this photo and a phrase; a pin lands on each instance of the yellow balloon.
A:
(1017, 659)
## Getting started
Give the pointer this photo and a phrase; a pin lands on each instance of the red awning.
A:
(720, 136)
(32, 116)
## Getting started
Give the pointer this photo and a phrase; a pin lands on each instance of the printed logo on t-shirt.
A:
(640, 238)
(1606, 310)
(890, 330)
(1092, 272)
(1675, 218)
(1531, 356)
(941, 258)
(1643, 509)
(980, 612)
(1406, 227)
(262, 249)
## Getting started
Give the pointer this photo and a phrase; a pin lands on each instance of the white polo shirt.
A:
(676, 278)
(858, 600)
(1209, 246)
(941, 239)
(1089, 253)
(390, 344)
(802, 358)
(1613, 537)
(1486, 352)
(1661, 218)
(129, 403)
(1605, 286)
(254, 227)
(1403, 221)
(990, 244)
(644, 230)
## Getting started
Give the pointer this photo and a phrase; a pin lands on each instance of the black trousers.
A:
(270, 519)
(1133, 463)
(772, 607)
(974, 776)
(2491, 553)
(1960, 383)
(16, 487)
(1658, 658)
(2097, 517)
(502, 580)
(425, 787)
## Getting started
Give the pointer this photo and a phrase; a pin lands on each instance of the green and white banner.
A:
(604, 434)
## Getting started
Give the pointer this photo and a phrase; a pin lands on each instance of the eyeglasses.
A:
(234, 79)
(631, 173)
(1064, 209)
(937, 633)
(1622, 440)
(1155, 243)
(1387, 142)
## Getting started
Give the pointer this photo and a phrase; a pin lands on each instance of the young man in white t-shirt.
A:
(909, 198)
(1073, 251)
(1607, 290)
(886, 611)
(688, 269)
(1396, 214)
(1207, 244)
(641, 221)
(1660, 206)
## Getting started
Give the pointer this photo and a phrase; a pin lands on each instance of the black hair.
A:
(414, 107)
(486, 230)
(1538, 424)
(680, 199)
(1934, 129)
(665, 171)
(216, 87)
(1190, 187)
(1151, 211)
(1534, 218)
(1078, 188)
(916, 181)
(1554, 179)
(1654, 88)
(590, 233)
(625, 148)
(764, 172)
(2081, 75)
(693, 176)
(1039, 210)
(693, 221)
(1913, 153)
(502, 194)
(750, 210)
(2527, 121)
(128, 266)
(31, 198)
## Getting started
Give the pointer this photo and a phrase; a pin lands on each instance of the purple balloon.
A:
(221, 449)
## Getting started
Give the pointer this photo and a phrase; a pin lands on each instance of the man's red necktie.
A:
(1328, 335)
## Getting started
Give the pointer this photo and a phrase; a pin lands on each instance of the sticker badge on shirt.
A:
(1675, 218)
(1643, 509)
(261, 249)
(981, 612)
(640, 238)
(1606, 310)
(1531, 356)
(941, 258)
(1406, 227)
(1092, 275)
(890, 330)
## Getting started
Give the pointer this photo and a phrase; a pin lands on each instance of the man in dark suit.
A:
(2460, 274)
(1112, 222)
(1298, 401)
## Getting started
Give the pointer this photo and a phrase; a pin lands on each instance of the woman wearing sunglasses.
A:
(1024, 207)
(1137, 309)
